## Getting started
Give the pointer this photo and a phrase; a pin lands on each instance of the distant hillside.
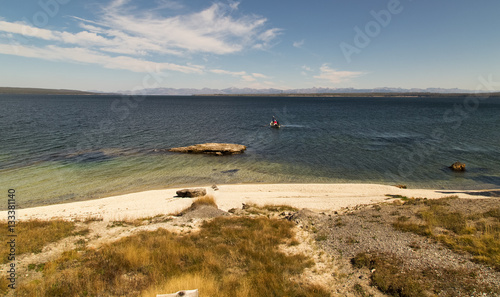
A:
(5, 90)
(403, 94)
(311, 92)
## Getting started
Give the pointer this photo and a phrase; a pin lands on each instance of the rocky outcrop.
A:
(457, 166)
(202, 212)
(211, 148)
(191, 192)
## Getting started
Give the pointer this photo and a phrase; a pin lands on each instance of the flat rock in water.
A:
(191, 192)
(211, 148)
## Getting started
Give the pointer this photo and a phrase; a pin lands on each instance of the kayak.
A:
(274, 125)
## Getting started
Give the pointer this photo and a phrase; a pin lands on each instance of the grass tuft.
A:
(207, 200)
(391, 278)
(4, 282)
(477, 234)
(33, 235)
(279, 208)
(256, 209)
(360, 291)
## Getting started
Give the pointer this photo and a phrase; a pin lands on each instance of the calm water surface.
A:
(63, 148)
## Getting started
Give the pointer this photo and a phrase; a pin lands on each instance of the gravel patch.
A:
(368, 229)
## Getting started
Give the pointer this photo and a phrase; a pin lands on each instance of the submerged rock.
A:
(457, 166)
(211, 148)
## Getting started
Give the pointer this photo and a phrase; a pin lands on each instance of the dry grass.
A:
(256, 209)
(91, 219)
(391, 278)
(206, 285)
(477, 234)
(4, 284)
(33, 235)
(207, 200)
(236, 256)
(279, 207)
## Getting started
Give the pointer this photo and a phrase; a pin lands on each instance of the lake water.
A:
(65, 148)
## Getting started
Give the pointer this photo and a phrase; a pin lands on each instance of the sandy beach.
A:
(317, 197)
(341, 224)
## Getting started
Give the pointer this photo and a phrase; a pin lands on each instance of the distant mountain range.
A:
(250, 91)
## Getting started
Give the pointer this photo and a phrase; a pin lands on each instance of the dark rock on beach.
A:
(457, 166)
(211, 148)
(232, 171)
(191, 192)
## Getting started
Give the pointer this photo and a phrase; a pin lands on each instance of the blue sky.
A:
(129, 44)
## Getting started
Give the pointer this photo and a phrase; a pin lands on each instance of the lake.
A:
(66, 148)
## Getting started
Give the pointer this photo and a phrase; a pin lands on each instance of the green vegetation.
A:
(360, 291)
(391, 278)
(235, 256)
(477, 234)
(33, 235)
(256, 209)
(6, 90)
(36, 267)
(397, 196)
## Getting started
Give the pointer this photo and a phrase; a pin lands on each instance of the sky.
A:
(119, 45)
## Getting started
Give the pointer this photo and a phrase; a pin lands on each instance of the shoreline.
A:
(316, 197)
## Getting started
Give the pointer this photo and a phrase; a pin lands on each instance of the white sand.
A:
(319, 197)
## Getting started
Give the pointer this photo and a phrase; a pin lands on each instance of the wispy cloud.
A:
(306, 68)
(27, 30)
(259, 75)
(212, 30)
(336, 76)
(169, 4)
(298, 44)
(83, 55)
(247, 77)
(122, 37)
(233, 73)
(267, 38)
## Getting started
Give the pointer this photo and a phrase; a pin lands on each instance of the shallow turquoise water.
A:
(64, 148)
